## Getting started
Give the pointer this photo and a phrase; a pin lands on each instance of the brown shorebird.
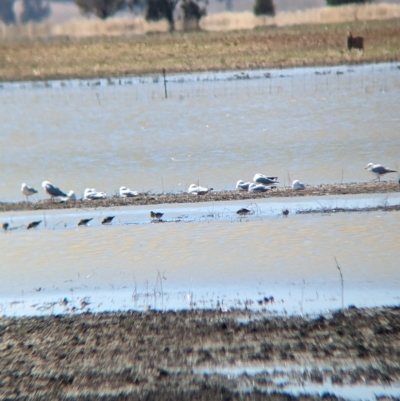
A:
(156, 215)
(5, 226)
(34, 224)
(285, 212)
(107, 220)
(84, 222)
(243, 212)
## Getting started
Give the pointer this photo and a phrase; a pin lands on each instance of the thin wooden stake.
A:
(341, 280)
(165, 84)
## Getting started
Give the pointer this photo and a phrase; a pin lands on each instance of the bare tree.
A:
(159, 9)
(156, 10)
(193, 11)
(264, 7)
(101, 8)
(7, 14)
(34, 10)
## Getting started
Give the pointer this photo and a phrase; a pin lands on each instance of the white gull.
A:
(242, 186)
(197, 190)
(263, 179)
(254, 187)
(379, 170)
(52, 190)
(92, 194)
(27, 190)
(125, 192)
(297, 185)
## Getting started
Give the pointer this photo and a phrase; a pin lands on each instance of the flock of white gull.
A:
(261, 183)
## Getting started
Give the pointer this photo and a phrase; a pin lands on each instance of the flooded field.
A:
(203, 255)
(318, 125)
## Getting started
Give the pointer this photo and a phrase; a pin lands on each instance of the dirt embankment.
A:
(214, 196)
(166, 355)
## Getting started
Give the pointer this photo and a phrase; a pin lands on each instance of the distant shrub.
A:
(34, 10)
(264, 7)
(343, 2)
(101, 8)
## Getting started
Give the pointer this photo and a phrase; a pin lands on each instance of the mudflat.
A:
(183, 355)
(213, 196)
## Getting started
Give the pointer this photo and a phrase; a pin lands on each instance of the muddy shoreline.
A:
(214, 196)
(183, 355)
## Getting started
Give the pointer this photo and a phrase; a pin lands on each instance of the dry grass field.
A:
(268, 46)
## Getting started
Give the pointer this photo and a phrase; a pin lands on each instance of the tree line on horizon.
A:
(153, 10)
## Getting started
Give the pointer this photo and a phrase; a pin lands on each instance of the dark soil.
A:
(165, 355)
(156, 199)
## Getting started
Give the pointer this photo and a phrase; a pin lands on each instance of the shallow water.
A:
(319, 125)
(314, 124)
(204, 256)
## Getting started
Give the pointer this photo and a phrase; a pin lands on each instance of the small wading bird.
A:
(156, 215)
(107, 220)
(253, 187)
(34, 224)
(5, 226)
(243, 212)
(84, 222)
(285, 212)
(197, 190)
(52, 190)
(297, 185)
(125, 192)
(242, 186)
(354, 42)
(379, 170)
(263, 179)
(28, 191)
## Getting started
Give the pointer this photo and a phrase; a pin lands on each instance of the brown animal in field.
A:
(356, 42)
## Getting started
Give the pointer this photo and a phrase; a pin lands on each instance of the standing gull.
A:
(379, 170)
(263, 179)
(242, 186)
(297, 185)
(27, 190)
(52, 190)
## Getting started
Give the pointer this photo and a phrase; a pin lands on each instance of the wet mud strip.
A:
(213, 196)
(328, 210)
(182, 355)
